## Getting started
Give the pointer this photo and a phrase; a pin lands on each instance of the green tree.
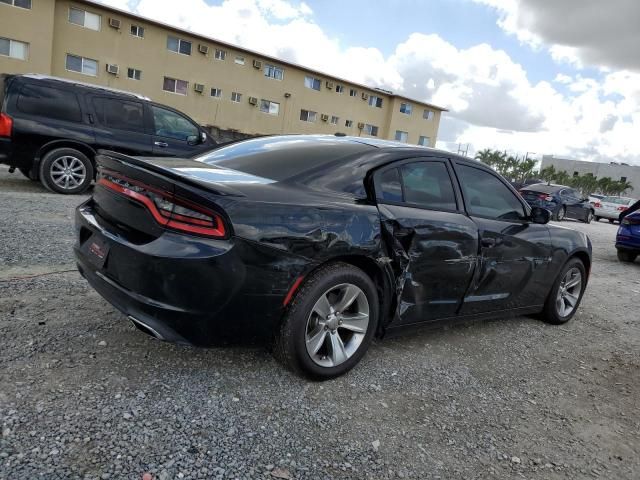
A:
(548, 174)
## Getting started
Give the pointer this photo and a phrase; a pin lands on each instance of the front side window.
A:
(84, 19)
(267, 106)
(119, 114)
(402, 136)
(486, 195)
(83, 65)
(308, 115)
(14, 49)
(375, 101)
(312, 82)
(137, 31)
(236, 97)
(371, 130)
(174, 85)
(53, 102)
(18, 3)
(406, 108)
(178, 45)
(172, 125)
(274, 72)
(134, 74)
(220, 54)
(424, 141)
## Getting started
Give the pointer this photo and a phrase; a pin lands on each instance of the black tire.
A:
(290, 340)
(611, 220)
(561, 213)
(26, 172)
(596, 218)
(52, 160)
(550, 313)
(589, 217)
(627, 256)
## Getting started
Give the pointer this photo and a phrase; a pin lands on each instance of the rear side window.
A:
(423, 184)
(487, 196)
(119, 114)
(49, 102)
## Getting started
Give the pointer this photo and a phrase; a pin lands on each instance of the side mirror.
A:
(540, 215)
(193, 139)
(203, 137)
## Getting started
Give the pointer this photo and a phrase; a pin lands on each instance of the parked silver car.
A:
(611, 207)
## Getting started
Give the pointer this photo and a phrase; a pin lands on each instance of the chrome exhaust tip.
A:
(145, 328)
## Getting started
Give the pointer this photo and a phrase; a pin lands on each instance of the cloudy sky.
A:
(546, 76)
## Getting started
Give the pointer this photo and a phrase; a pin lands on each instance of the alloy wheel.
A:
(337, 325)
(561, 213)
(569, 292)
(68, 172)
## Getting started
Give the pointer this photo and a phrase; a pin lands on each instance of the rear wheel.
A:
(566, 293)
(627, 256)
(611, 220)
(589, 217)
(330, 323)
(560, 214)
(66, 170)
(596, 218)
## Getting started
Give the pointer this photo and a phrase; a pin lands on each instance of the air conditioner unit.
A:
(365, 96)
(198, 87)
(257, 64)
(114, 23)
(360, 125)
(324, 117)
(113, 69)
(330, 84)
(203, 49)
(253, 100)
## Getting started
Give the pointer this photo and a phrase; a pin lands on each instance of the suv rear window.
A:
(50, 102)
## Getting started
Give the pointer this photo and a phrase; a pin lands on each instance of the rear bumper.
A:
(607, 214)
(187, 289)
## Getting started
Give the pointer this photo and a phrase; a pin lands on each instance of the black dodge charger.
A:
(316, 244)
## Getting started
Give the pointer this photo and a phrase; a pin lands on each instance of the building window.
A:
(339, 88)
(623, 179)
(178, 45)
(14, 49)
(84, 19)
(216, 92)
(220, 54)
(175, 86)
(348, 123)
(427, 114)
(334, 120)
(82, 65)
(239, 60)
(406, 108)
(424, 141)
(371, 130)
(375, 101)
(308, 116)
(137, 31)
(272, 71)
(18, 3)
(576, 174)
(134, 74)
(267, 106)
(312, 82)
(236, 97)
(353, 92)
(402, 136)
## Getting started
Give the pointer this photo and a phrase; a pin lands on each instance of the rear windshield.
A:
(281, 158)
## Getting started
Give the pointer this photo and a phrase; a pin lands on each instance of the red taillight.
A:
(597, 205)
(6, 125)
(545, 197)
(168, 210)
(621, 209)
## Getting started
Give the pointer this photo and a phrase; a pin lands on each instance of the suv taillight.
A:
(6, 125)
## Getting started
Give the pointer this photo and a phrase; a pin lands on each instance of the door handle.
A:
(161, 144)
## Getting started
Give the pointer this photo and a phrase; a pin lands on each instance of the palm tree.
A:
(548, 174)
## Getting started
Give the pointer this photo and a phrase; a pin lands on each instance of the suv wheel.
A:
(330, 323)
(66, 170)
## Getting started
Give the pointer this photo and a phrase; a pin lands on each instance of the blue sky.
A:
(556, 77)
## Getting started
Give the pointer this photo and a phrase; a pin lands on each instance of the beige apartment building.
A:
(218, 84)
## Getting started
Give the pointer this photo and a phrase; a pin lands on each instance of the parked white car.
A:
(611, 207)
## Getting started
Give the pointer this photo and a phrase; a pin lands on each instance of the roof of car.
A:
(545, 188)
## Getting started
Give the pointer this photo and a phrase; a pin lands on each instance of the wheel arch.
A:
(584, 258)
(47, 147)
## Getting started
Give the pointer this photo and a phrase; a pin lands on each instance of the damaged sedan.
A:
(316, 244)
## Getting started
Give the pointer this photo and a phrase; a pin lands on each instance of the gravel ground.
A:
(85, 395)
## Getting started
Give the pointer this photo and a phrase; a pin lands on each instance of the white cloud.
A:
(492, 101)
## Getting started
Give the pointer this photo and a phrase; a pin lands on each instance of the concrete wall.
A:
(52, 37)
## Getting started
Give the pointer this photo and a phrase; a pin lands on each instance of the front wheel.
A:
(627, 256)
(566, 293)
(66, 170)
(330, 322)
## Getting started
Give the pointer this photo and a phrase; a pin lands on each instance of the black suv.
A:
(51, 128)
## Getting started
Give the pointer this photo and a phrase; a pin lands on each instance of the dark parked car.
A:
(321, 243)
(51, 128)
(628, 237)
(563, 202)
